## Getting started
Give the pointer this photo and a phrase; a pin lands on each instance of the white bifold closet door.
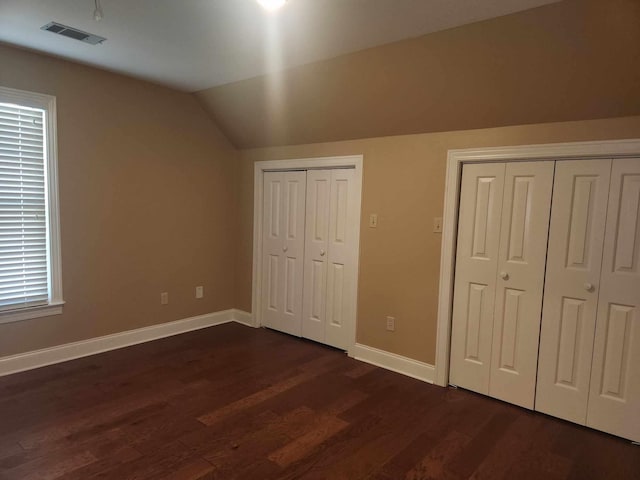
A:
(521, 265)
(589, 370)
(587, 324)
(576, 235)
(329, 266)
(504, 214)
(283, 250)
(614, 399)
(475, 277)
(309, 261)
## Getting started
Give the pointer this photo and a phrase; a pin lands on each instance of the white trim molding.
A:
(38, 311)
(395, 363)
(242, 317)
(70, 351)
(350, 161)
(455, 160)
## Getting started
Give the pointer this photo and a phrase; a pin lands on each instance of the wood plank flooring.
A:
(231, 402)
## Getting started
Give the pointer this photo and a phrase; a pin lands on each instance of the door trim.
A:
(455, 160)
(350, 161)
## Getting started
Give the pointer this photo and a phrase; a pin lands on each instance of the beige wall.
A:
(572, 60)
(146, 201)
(404, 184)
(154, 198)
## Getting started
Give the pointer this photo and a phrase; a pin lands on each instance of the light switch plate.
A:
(437, 225)
(391, 324)
(373, 220)
(199, 292)
(164, 298)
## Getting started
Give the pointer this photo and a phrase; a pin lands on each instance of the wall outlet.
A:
(373, 220)
(437, 225)
(164, 298)
(199, 292)
(391, 324)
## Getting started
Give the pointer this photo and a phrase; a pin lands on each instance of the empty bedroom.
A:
(320, 239)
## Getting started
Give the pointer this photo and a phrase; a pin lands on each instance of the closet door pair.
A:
(589, 370)
(309, 230)
(500, 266)
(586, 323)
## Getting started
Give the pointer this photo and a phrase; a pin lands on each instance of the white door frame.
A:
(351, 161)
(455, 160)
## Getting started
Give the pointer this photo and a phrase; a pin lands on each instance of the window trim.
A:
(48, 104)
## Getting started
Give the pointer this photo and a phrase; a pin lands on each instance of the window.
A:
(30, 276)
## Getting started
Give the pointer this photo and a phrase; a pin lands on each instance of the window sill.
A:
(8, 316)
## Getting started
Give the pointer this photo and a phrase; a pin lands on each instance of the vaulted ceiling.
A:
(197, 44)
(327, 70)
(572, 60)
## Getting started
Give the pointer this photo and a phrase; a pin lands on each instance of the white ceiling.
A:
(196, 44)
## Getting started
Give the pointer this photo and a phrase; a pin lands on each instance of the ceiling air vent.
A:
(74, 33)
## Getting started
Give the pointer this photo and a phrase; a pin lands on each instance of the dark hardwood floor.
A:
(231, 402)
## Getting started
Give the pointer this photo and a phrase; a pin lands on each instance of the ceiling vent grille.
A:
(74, 33)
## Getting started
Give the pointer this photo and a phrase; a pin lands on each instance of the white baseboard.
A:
(69, 351)
(395, 363)
(245, 318)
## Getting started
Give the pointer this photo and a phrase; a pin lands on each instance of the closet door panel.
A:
(341, 262)
(272, 291)
(576, 236)
(521, 266)
(614, 399)
(283, 244)
(294, 220)
(315, 263)
(475, 277)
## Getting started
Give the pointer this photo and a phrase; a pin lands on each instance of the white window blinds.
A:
(24, 270)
